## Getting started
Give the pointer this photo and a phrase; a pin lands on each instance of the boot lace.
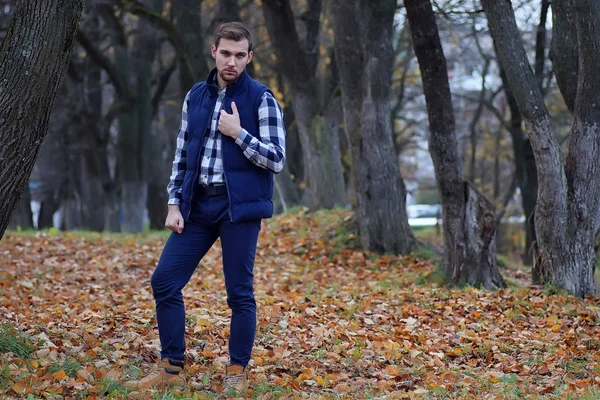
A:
(149, 378)
(234, 381)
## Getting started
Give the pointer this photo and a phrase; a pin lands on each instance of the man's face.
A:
(231, 58)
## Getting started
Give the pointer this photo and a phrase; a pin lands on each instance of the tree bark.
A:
(564, 51)
(22, 217)
(193, 65)
(33, 58)
(321, 155)
(582, 163)
(567, 213)
(135, 125)
(525, 169)
(364, 55)
(96, 178)
(540, 44)
(468, 218)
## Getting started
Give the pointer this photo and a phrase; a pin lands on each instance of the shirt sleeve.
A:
(269, 151)
(179, 162)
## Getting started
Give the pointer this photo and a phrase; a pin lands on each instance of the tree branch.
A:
(161, 86)
(120, 86)
(173, 35)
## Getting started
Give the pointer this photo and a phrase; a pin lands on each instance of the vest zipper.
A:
(197, 174)
(226, 183)
(225, 175)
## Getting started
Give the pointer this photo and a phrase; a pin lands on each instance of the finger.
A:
(223, 112)
(180, 226)
(234, 108)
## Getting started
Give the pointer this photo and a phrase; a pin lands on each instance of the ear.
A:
(250, 55)
(213, 51)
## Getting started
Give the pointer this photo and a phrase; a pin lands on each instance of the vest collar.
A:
(231, 89)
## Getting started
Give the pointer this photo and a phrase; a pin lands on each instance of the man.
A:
(230, 142)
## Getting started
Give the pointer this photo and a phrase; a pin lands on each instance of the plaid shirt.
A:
(268, 152)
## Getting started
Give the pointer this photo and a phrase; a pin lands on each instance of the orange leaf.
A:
(60, 375)
(208, 353)
(18, 388)
(393, 370)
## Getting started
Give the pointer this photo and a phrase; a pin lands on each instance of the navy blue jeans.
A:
(208, 221)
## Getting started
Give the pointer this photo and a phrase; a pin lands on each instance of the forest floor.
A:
(77, 320)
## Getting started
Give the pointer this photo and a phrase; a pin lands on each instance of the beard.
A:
(229, 78)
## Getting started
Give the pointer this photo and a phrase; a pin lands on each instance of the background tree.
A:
(567, 215)
(312, 98)
(468, 217)
(34, 57)
(365, 59)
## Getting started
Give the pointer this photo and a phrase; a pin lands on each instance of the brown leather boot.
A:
(235, 380)
(167, 374)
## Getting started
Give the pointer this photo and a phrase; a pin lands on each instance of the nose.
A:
(231, 61)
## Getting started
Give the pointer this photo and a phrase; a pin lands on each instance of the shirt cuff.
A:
(174, 202)
(244, 139)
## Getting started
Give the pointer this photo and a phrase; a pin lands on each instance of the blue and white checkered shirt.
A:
(268, 152)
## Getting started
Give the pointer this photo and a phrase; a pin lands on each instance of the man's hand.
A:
(174, 219)
(229, 124)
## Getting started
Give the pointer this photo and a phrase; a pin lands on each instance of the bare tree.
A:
(33, 58)
(468, 217)
(297, 58)
(567, 215)
(365, 59)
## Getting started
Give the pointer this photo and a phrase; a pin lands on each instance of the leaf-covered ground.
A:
(77, 319)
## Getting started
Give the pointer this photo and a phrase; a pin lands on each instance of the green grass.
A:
(502, 261)
(434, 277)
(70, 366)
(111, 389)
(425, 254)
(263, 388)
(13, 341)
(5, 381)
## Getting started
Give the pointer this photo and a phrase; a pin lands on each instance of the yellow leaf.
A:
(456, 352)
(18, 388)
(306, 374)
(320, 380)
(203, 322)
(35, 364)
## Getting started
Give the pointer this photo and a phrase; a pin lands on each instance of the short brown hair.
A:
(235, 31)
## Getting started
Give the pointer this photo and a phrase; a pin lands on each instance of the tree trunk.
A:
(296, 63)
(568, 208)
(33, 58)
(45, 218)
(193, 65)
(112, 211)
(480, 237)
(135, 127)
(364, 55)
(525, 169)
(468, 218)
(22, 217)
(322, 159)
(564, 51)
(95, 173)
(286, 194)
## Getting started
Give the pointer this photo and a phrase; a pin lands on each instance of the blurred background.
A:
(106, 160)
